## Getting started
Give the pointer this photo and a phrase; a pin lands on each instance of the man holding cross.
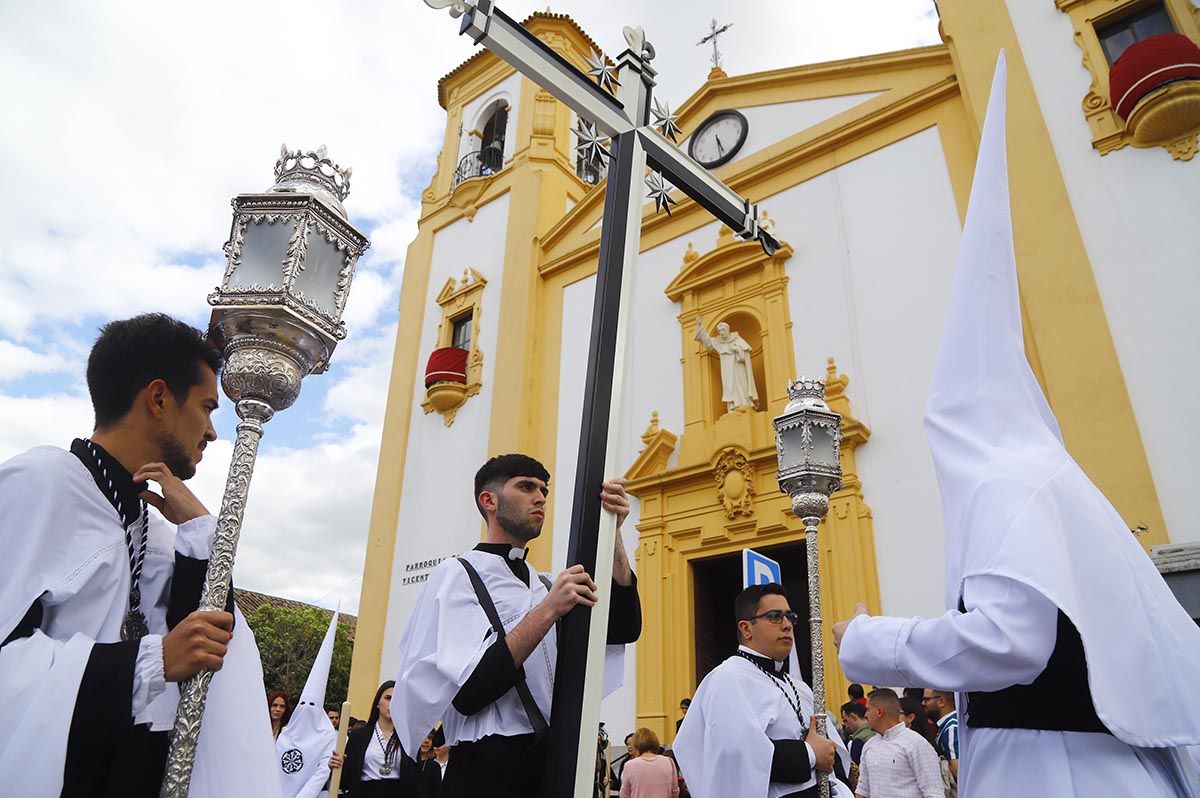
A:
(481, 646)
(614, 126)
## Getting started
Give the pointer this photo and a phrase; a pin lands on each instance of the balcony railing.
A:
(480, 163)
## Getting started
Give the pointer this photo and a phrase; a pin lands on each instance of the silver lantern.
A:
(808, 441)
(277, 317)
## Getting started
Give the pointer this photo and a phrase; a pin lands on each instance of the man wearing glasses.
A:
(747, 732)
(939, 705)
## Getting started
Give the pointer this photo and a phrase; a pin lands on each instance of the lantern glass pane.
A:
(264, 248)
(318, 280)
(824, 446)
(793, 447)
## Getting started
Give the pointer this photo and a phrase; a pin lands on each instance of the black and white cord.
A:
(137, 554)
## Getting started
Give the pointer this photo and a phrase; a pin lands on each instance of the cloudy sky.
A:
(127, 127)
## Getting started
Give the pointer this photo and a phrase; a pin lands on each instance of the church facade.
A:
(864, 169)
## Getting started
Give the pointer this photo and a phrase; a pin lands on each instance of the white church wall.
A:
(654, 383)
(1137, 211)
(769, 124)
(876, 242)
(437, 517)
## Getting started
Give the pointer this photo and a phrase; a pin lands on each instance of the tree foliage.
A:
(288, 640)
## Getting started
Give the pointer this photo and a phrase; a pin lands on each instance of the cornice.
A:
(784, 155)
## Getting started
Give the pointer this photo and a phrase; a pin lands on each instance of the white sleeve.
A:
(149, 680)
(194, 538)
(1006, 638)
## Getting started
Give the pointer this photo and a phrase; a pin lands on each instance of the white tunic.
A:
(64, 543)
(724, 745)
(1006, 639)
(447, 635)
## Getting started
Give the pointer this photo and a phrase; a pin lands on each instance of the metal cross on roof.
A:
(714, 32)
(617, 128)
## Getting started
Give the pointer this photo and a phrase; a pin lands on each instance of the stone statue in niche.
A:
(738, 391)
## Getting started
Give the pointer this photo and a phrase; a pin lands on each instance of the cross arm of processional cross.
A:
(490, 27)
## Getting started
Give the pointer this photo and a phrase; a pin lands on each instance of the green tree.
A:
(288, 640)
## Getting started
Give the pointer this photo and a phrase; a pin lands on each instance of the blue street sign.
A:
(759, 570)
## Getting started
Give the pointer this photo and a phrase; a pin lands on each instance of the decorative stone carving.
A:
(544, 110)
(738, 390)
(734, 475)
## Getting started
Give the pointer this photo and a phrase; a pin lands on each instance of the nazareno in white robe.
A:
(62, 541)
(724, 744)
(303, 747)
(447, 635)
(1028, 535)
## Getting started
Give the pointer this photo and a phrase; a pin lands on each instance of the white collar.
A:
(778, 662)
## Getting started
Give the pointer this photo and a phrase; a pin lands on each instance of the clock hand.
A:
(720, 146)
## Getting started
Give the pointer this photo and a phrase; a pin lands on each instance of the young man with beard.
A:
(96, 594)
(480, 649)
(750, 731)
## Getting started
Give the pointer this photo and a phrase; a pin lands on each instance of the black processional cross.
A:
(617, 129)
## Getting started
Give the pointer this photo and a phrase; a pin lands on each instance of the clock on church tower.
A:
(719, 138)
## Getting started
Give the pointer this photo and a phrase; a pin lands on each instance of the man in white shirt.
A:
(897, 762)
(97, 594)
(750, 730)
(481, 647)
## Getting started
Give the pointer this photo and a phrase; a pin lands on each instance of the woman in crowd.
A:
(915, 718)
(374, 765)
(281, 710)
(648, 774)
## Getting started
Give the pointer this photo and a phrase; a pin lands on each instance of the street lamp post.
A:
(277, 317)
(808, 440)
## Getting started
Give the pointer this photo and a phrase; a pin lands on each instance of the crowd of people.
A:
(901, 745)
(86, 657)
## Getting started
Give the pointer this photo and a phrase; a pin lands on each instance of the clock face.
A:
(719, 138)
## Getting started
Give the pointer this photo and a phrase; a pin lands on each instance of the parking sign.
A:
(759, 570)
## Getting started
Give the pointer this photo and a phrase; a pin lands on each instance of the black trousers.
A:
(496, 767)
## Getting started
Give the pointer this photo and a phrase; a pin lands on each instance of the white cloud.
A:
(52, 419)
(130, 124)
(19, 361)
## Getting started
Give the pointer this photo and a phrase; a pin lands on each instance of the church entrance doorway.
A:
(716, 581)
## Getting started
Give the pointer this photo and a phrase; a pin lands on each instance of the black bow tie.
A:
(776, 669)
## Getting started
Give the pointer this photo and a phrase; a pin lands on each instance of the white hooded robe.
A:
(1027, 535)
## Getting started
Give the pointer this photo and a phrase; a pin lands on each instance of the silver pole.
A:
(811, 507)
(194, 691)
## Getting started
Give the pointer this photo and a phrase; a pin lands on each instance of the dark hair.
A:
(745, 606)
(885, 697)
(948, 695)
(910, 705)
(685, 702)
(855, 690)
(915, 692)
(132, 353)
(394, 741)
(500, 469)
(854, 708)
(332, 708)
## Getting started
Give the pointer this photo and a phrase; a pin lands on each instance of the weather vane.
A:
(715, 31)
